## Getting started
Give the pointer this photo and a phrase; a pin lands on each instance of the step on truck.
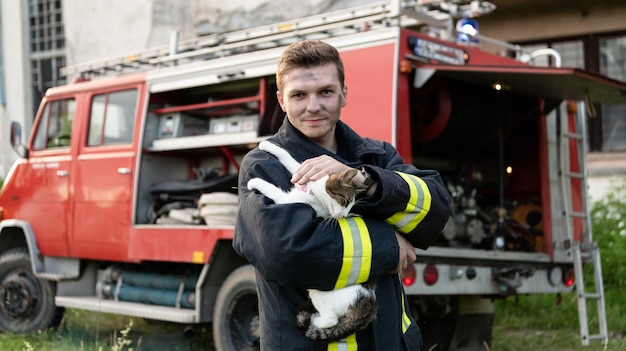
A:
(124, 196)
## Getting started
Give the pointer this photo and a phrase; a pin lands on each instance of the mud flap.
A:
(473, 332)
(411, 342)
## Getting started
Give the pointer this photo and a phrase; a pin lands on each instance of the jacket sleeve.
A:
(288, 244)
(415, 202)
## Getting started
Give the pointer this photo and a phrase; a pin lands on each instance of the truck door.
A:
(48, 174)
(105, 168)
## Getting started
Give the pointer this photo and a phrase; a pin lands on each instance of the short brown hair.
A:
(308, 53)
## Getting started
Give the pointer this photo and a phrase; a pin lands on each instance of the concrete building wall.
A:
(18, 90)
(100, 29)
(518, 21)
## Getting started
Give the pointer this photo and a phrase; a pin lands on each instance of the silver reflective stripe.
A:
(357, 246)
(419, 205)
(342, 346)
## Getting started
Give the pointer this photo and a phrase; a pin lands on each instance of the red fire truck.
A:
(124, 197)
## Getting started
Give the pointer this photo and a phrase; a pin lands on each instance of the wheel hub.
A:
(246, 323)
(18, 293)
(255, 327)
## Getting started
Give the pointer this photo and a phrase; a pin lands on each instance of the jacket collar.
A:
(301, 148)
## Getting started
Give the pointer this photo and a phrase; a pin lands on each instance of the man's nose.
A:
(313, 104)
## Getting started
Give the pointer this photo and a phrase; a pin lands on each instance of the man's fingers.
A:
(316, 168)
(407, 253)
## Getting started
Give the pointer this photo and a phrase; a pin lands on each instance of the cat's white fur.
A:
(313, 193)
(333, 304)
(330, 304)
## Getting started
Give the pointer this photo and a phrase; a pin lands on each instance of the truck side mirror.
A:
(16, 140)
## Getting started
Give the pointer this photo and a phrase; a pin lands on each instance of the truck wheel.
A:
(26, 303)
(236, 316)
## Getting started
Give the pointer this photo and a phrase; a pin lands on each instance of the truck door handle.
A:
(123, 170)
(62, 173)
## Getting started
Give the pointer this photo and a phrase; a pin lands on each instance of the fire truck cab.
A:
(125, 195)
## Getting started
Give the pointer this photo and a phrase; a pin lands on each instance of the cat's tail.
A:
(359, 316)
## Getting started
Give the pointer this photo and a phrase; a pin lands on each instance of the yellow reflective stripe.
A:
(357, 252)
(417, 206)
(406, 321)
(365, 253)
(347, 344)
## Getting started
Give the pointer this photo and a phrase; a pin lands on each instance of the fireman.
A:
(292, 250)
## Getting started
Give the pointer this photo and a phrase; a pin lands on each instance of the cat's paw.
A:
(303, 320)
(265, 145)
(253, 184)
(323, 322)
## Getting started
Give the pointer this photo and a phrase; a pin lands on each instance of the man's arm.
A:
(413, 201)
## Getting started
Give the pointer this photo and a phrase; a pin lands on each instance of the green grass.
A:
(537, 323)
(89, 331)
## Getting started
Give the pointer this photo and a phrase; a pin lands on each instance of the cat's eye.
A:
(343, 201)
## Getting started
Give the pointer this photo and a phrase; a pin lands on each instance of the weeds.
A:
(123, 341)
(63, 340)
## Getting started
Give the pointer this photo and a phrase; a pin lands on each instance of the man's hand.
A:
(407, 253)
(316, 168)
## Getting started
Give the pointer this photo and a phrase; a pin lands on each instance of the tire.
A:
(437, 333)
(436, 319)
(26, 303)
(236, 313)
(454, 322)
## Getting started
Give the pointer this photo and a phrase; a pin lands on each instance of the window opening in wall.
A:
(572, 54)
(47, 43)
(605, 54)
(613, 64)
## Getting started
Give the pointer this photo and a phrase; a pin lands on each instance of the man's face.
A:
(312, 97)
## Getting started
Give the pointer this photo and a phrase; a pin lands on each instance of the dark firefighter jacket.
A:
(293, 250)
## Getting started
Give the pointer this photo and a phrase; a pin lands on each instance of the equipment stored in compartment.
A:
(176, 124)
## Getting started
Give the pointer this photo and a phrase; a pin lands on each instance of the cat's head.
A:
(336, 192)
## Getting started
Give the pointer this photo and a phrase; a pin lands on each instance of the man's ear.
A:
(344, 98)
(279, 96)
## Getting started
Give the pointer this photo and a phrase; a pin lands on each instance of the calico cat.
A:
(328, 315)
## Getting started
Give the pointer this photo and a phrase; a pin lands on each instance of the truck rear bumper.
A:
(445, 271)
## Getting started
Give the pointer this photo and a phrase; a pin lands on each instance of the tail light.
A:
(1, 213)
(408, 275)
(405, 66)
(569, 277)
(431, 274)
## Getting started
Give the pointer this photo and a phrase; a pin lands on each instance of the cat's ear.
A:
(346, 176)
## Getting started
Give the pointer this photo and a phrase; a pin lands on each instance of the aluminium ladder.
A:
(584, 250)
(341, 22)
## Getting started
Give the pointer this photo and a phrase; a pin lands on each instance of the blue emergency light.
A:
(467, 31)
